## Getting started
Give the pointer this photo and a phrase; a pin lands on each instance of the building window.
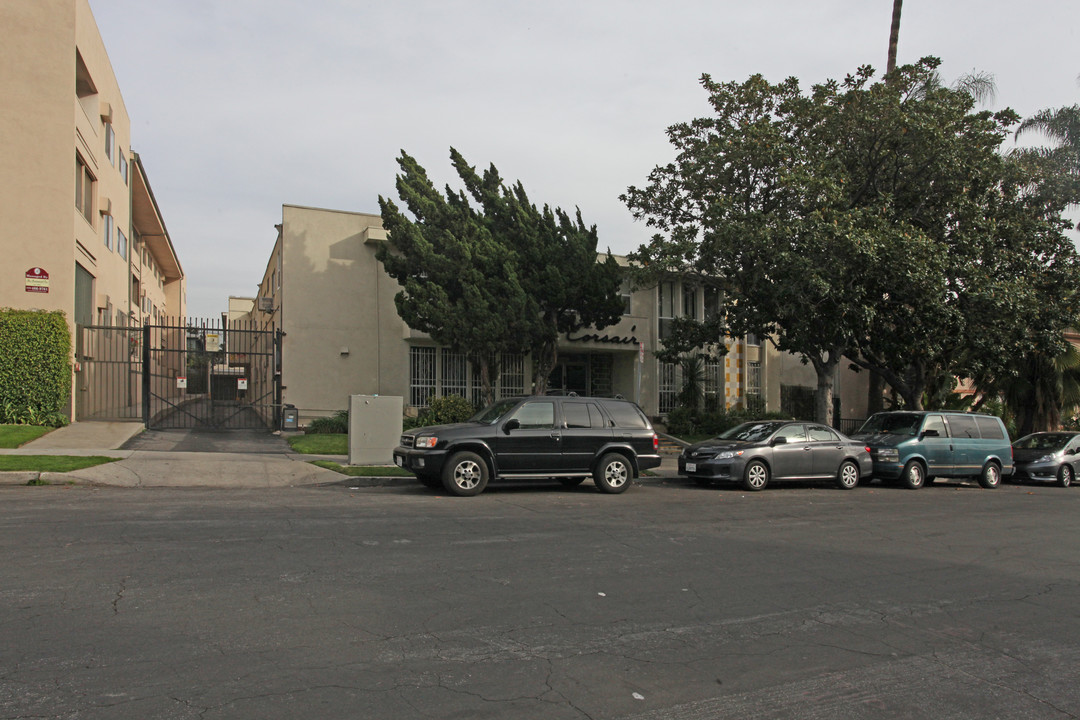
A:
(84, 190)
(668, 387)
(511, 375)
(713, 384)
(712, 303)
(752, 340)
(110, 143)
(421, 375)
(690, 302)
(121, 243)
(665, 308)
(454, 374)
(626, 295)
(753, 379)
(439, 372)
(123, 167)
(107, 221)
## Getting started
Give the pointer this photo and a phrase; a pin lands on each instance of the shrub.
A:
(336, 424)
(35, 367)
(691, 421)
(443, 411)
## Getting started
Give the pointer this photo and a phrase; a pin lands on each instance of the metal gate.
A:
(199, 374)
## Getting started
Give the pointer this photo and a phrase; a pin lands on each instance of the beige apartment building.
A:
(342, 336)
(80, 229)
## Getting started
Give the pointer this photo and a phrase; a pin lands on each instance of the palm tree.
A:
(894, 36)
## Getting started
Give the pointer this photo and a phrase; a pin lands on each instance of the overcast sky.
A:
(241, 106)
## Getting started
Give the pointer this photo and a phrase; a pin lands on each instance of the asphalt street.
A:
(669, 601)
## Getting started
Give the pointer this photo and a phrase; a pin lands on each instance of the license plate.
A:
(398, 460)
(691, 467)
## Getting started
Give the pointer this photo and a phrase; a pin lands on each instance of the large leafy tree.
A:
(497, 274)
(876, 220)
(459, 284)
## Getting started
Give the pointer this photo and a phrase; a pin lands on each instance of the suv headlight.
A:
(888, 455)
(427, 441)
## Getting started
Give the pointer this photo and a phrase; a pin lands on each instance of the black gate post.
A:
(146, 375)
(278, 335)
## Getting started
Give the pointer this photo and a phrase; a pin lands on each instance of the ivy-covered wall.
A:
(35, 366)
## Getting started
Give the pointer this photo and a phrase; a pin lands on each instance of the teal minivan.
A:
(916, 446)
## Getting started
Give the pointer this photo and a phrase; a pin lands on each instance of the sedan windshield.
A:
(751, 431)
(1043, 441)
(893, 423)
(491, 414)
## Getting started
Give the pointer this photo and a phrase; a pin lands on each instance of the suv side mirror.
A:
(511, 424)
(779, 441)
(931, 433)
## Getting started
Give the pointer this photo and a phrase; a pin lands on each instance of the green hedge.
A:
(35, 367)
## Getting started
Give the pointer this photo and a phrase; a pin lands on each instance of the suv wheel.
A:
(991, 476)
(913, 476)
(465, 475)
(848, 475)
(613, 473)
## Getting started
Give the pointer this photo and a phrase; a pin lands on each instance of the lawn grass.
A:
(363, 470)
(50, 463)
(12, 436)
(320, 444)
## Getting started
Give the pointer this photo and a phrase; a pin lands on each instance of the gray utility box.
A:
(374, 428)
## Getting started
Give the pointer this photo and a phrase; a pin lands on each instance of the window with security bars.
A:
(454, 374)
(713, 384)
(511, 375)
(668, 386)
(438, 372)
(753, 379)
(421, 375)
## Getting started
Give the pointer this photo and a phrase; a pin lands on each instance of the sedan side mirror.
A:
(511, 424)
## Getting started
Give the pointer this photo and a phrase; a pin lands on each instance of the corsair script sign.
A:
(606, 339)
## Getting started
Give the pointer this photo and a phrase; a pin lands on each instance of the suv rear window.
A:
(626, 415)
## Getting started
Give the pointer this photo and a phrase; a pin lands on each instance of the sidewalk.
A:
(157, 468)
(148, 468)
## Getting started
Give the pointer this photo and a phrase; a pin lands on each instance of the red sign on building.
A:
(37, 280)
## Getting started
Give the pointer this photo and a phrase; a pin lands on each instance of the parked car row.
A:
(571, 438)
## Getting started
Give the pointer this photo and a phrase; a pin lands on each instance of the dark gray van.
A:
(916, 446)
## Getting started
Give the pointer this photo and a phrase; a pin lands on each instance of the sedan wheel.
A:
(1065, 475)
(848, 475)
(756, 476)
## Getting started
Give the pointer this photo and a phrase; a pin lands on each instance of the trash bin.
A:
(290, 419)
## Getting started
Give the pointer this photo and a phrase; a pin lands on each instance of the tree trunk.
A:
(894, 36)
(543, 363)
(826, 380)
(875, 394)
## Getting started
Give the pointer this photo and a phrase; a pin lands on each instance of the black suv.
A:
(565, 438)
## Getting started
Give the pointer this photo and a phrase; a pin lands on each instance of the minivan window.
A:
(626, 415)
(963, 426)
(936, 422)
(989, 427)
